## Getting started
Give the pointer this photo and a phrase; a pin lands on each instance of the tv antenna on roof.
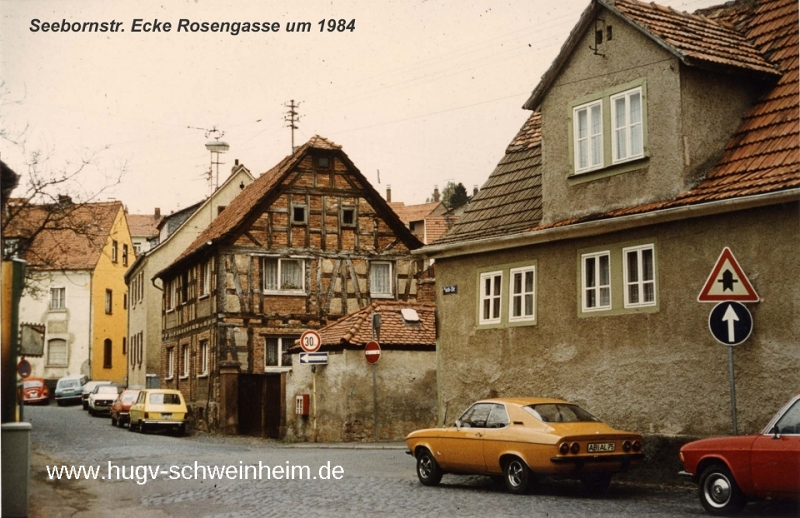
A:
(292, 117)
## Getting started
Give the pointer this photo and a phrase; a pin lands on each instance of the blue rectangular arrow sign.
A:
(314, 358)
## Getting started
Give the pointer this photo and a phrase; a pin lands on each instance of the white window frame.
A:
(170, 363)
(640, 281)
(62, 301)
(284, 343)
(205, 277)
(381, 294)
(513, 295)
(280, 261)
(185, 361)
(109, 302)
(141, 285)
(587, 107)
(496, 278)
(595, 257)
(627, 126)
(114, 245)
(137, 248)
(202, 371)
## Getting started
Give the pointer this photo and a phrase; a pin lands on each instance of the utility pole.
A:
(292, 118)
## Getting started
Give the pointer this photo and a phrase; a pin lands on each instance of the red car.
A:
(35, 391)
(120, 409)
(731, 470)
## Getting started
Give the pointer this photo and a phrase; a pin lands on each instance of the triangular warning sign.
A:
(727, 282)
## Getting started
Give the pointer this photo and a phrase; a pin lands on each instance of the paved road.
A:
(372, 482)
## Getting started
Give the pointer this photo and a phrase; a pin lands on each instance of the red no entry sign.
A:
(373, 352)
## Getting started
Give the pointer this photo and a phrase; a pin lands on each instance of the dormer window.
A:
(609, 128)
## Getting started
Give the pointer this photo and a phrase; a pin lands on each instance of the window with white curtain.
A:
(284, 275)
(380, 279)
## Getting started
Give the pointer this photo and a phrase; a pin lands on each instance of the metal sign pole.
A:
(374, 383)
(733, 391)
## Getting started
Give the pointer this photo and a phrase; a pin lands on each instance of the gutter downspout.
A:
(604, 226)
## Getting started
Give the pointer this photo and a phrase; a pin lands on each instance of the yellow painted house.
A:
(76, 255)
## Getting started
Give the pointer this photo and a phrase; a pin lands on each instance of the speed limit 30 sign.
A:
(310, 341)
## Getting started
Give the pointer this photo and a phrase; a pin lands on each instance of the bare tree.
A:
(53, 211)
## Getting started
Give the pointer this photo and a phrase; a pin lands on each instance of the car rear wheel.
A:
(428, 470)
(516, 476)
(719, 493)
(113, 421)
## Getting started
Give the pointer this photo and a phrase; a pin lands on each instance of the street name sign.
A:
(727, 281)
(314, 358)
(372, 352)
(310, 341)
(730, 323)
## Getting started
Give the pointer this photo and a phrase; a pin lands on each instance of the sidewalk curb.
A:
(347, 446)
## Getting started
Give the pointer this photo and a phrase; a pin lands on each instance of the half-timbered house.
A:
(307, 242)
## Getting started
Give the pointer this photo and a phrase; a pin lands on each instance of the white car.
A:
(87, 389)
(101, 399)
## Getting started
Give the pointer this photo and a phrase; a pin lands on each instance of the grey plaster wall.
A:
(406, 387)
(656, 373)
(690, 115)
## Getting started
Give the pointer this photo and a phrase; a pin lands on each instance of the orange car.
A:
(522, 438)
(35, 391)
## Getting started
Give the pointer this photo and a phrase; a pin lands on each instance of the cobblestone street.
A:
(374, 482)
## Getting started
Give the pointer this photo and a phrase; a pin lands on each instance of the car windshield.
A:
(789, 423)
(560, 413)
(105, 389)
(165, 399)
(68, 383)
(32, 384)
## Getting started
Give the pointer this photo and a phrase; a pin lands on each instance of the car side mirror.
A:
(775, 431)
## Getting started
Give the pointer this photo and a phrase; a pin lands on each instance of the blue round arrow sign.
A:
(730, 323)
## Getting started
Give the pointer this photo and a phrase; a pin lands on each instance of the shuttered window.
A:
(57, 352)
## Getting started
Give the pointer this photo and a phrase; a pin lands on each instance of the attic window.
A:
(410, 316)
(298, 214)
(609, 33)
(598, 37)
(348, 217)
(323, 162)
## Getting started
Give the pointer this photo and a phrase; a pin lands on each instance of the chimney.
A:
(158, 213)
(236, 162)
(475, 190)
(435, 193)
(389, 193)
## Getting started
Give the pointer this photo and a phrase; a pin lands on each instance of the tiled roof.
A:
(693, 36)
(764, 154)
(695, 39)
(409, 213)
(354, 329)
(511, 199)
(63, 236)
(246, 203)
(437, 226)
(143, 224)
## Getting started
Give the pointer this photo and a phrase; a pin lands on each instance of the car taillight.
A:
(575, 447)
(637, 446)
(564, 448)
(626, 446)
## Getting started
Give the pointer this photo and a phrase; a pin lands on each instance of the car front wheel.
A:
(428, 470)
(719, 492)
(516, 475)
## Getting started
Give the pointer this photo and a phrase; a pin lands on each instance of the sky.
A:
(419, 93)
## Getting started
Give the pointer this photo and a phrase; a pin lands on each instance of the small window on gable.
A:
(348, 217)
(298, 214)
(114, 247)
(323, 162)
(220, 208)
(124, 255)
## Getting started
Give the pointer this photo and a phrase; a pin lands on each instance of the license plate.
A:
(601, 447)
(166, 416)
